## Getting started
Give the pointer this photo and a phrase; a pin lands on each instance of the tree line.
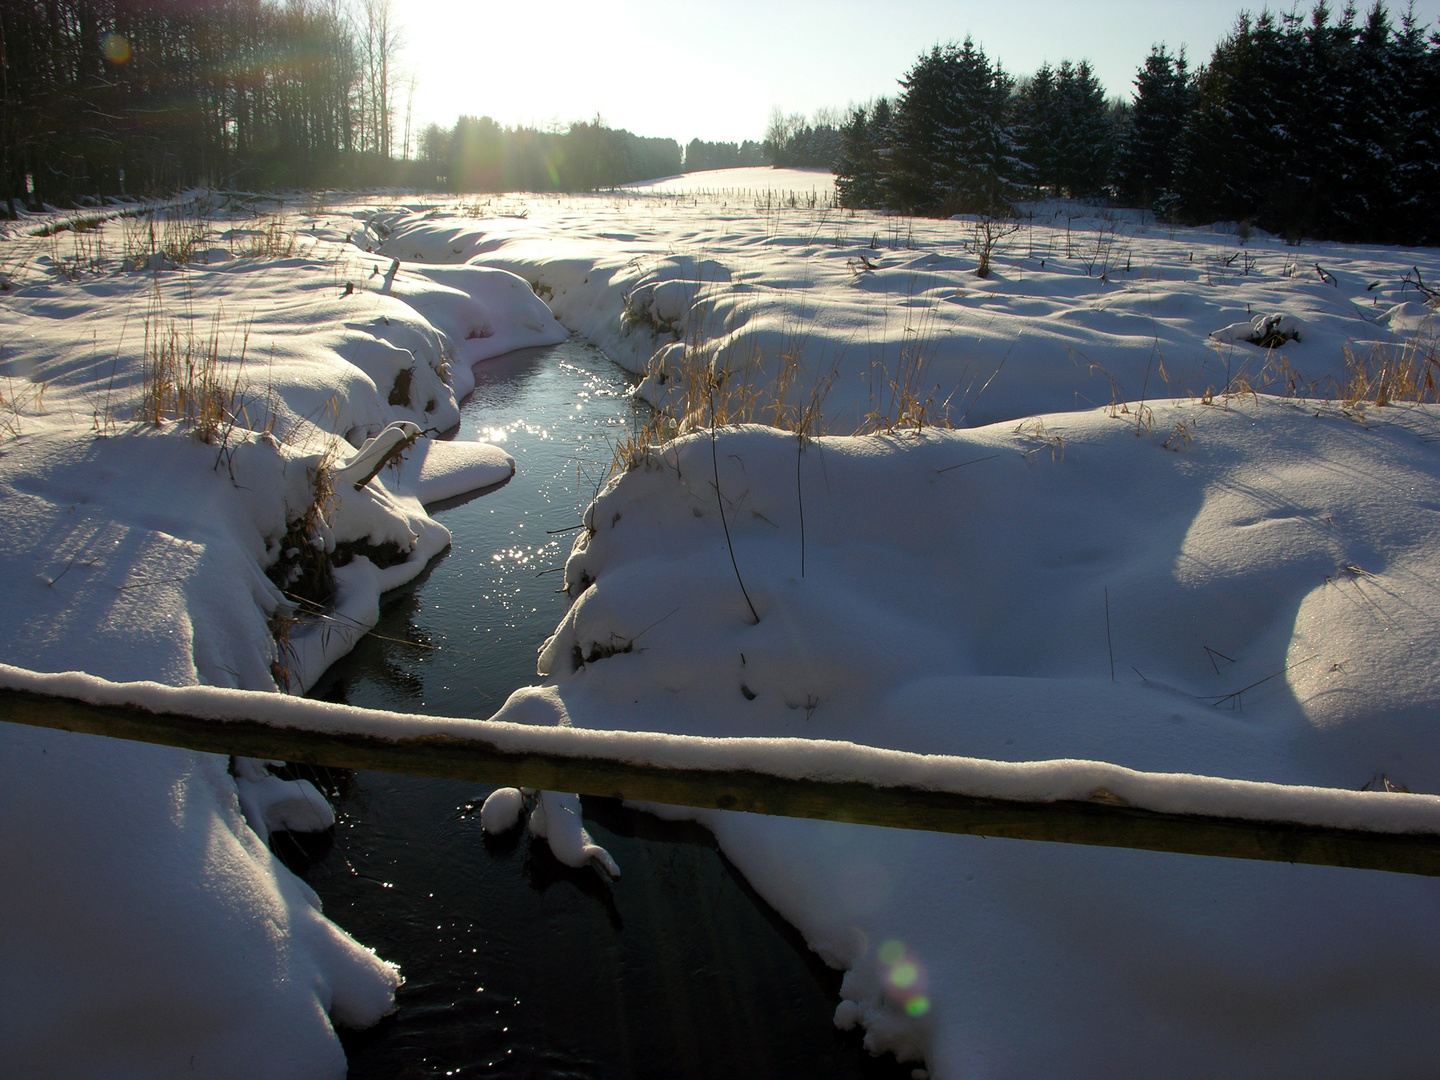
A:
(1312, 125)
(103, 97)
(114, 97)
(478, 154)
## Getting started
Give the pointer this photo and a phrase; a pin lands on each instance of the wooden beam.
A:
(1099, 822)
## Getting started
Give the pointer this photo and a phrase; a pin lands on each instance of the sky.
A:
(715, 70)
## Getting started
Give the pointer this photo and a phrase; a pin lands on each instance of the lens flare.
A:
(904, 978)
(116, 48)
(917, 1006)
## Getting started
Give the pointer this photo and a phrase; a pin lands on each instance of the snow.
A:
(1261, 570)
(501, 810)
(1083, 307)
(964, 611)
(556, 817)
(754, 179)
(271, 804)
(1129, 571)
(536, 720)
(149, 930)
(434, 471)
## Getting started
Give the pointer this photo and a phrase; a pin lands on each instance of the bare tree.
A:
(409, 112)
(380, 42)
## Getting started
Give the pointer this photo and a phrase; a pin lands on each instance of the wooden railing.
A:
(581, 765)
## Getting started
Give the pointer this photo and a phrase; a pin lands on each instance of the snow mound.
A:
(970, 593)
(1267, 331)
(149, 931)
(437, 470)
(501, 810)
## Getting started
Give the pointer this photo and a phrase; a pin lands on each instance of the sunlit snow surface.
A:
(966, 593)
(1268, 567)
(756, 180)
(148, 930)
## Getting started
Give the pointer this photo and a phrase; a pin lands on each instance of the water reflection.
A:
(516, 965)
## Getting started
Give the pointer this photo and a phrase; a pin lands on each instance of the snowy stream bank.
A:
(1221, 583)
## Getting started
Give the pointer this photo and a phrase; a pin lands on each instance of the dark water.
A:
(515, 965)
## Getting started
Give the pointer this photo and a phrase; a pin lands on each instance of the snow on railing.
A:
(1073, 802)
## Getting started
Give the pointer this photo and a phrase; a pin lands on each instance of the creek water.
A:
(515, 965)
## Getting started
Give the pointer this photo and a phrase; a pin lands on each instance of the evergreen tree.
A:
(1037, 117)
(1083, 138)
(860, 178)
(1146, 160)
(1416, 140)
(1370, 117)
(1321, 164)
(952, 148)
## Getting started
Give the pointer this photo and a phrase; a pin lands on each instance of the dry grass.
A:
(75, 253)
(716, 374)
(1374, 373)
(271, 241)
(174, 236)
(30, 397)
(186, 381)
(707, 391)
(1382, 374)
(901, 395)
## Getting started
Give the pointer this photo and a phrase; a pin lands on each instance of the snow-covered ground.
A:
(743, 181)
(1127, 555)
(148, 929)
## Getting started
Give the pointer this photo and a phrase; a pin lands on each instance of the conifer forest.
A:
(1323, 124)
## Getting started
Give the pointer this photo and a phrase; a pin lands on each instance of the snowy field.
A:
(1152, 542)
(752, 181)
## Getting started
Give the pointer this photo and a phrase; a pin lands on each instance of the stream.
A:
(515, 965)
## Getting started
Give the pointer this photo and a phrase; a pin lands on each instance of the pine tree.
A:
(1415, 142)
(953, 148)
(861, 169)
(986, 170)
(1370, 115)
(915, 182)
(1322, 164)
(1083, 140)
(1036, 122)
(1146, 159)
(1227, 133)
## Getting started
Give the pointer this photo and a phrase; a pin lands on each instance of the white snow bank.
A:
(271, 804)
(434, 470)
(148, 929)
(483, 312)
(1263, 580)
(1082, 306)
